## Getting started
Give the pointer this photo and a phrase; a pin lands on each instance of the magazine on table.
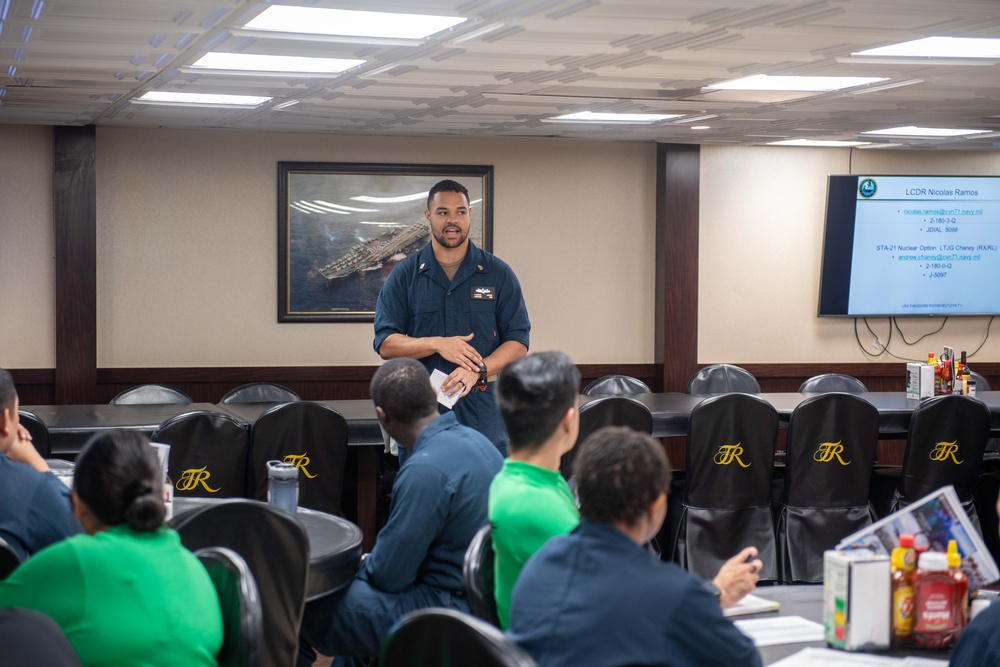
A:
(932, 520)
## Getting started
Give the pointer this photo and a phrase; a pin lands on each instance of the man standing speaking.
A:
(458, 309)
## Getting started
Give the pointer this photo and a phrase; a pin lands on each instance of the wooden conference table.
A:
(71, 425)
(334, 545)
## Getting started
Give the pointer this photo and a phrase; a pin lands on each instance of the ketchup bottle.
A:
(938, 615)
(961, 582)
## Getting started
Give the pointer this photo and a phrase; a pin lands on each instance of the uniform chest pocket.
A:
(427, 319)
(483, 322)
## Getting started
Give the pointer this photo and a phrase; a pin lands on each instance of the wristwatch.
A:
(713, 589)
(483, 373)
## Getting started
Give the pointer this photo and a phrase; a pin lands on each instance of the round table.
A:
(334, 545)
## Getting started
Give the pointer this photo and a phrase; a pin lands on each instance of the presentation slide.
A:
(926, 245)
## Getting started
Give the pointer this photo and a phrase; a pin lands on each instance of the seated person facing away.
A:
(530, 501)
(595, 597)
(35, 510)
(979, 645)
(126, 593)
(438, 503)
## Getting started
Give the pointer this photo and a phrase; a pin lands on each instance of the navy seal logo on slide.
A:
(867, 188)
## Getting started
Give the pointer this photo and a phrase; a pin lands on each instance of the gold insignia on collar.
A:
(422, 264)
(480, 266)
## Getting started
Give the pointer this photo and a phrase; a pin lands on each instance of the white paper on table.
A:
(828, 657)
(437, 377)
(750, 604)
(922, 662)
(780, 630)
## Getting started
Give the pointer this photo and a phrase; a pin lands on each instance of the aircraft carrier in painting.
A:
(372, 253)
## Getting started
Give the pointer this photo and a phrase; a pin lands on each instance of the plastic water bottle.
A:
(283, 486)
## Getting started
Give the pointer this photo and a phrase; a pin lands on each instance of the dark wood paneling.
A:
(75, 211)
(35, 386)
(676, 317)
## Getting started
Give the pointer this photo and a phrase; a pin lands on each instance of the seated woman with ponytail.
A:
(127, 592)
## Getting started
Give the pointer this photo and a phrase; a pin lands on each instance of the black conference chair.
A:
(259, 392)
(727, 495)
(722, 379)
(208, 454)
(945, 445)
(447, 638)
(828, 382)
(38, 430)
(276, 549)
(608, 411)
(616, 385)
(31, 639)
(477, 570)
(9, 559)
(309, 435)
(151, 394)
(828, 467)
(982, 384)
(242, 616)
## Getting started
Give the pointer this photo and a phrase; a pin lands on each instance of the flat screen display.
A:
(911, 246)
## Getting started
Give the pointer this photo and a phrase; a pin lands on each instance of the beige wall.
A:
(27, 248)
(762, 216)
(187, 257)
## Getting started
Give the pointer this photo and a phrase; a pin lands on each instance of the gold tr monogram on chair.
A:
(192, 477)
(945, 450)
(729, 453)
(300, 461)
(829, 451)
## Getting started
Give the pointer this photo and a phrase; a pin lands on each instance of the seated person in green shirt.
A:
(530, 501)
(127, 593)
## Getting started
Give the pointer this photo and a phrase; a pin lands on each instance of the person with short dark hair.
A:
(530, 501)
(126, 593)
(457, 309)
(595, 597)
(35, 509)
(438, 503)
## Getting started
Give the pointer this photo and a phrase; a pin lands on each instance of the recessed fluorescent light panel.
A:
(248, 62)
(939, 47)
(349, 23)
(607, 117)
(818, 143)
(911, 131)
(200, 99)
(817, 84)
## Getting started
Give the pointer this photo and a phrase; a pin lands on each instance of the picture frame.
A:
(343, 226)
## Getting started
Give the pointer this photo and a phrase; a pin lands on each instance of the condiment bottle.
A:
(961, 582)
(937, 617)
(903, 564)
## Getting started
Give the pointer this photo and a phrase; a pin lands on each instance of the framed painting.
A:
(343, 226)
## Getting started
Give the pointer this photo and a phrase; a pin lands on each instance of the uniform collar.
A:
(474, 262)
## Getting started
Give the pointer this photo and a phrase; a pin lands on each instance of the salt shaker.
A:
(283, 486)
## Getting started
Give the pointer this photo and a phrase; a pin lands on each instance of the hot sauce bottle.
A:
(961, 582)
(904, 562)
(938, 614)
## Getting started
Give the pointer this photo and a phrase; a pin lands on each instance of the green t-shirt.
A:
(528, 505)
(124, 598)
